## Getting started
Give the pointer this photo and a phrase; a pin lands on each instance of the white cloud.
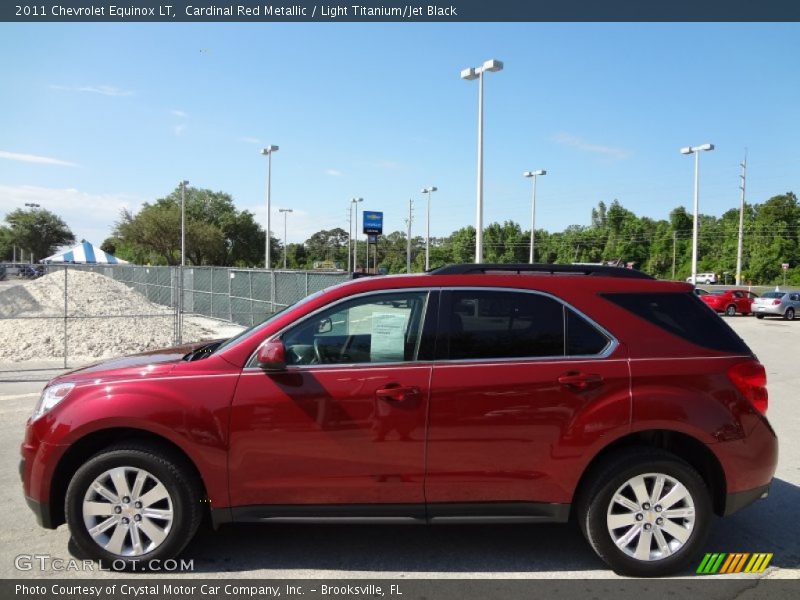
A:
(179, 113)
(90, 216)
(566, 139)
(104, 90)
(34, 158)
(333, 172)
(250, 140)
(178, 129)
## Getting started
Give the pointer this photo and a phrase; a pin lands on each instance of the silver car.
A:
(778, 304)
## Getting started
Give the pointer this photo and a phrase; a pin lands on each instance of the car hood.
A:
(152, 362)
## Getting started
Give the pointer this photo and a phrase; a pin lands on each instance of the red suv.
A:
(473, 393)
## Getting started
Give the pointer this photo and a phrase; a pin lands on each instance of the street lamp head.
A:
(469, 74)
(269, 150)
(357, 200)
(705, 147)
(428, 190)
(534, 173)
(493, 65)
(285, 210)
(687, 150)
(183, 183)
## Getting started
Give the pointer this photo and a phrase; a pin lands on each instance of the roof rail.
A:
(552, 269)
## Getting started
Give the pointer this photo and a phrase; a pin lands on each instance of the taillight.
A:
(776, 302)
(750, 379)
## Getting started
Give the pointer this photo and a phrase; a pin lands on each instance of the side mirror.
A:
(272, 356)
(324, 326)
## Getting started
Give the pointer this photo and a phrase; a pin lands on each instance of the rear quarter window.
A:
(683, 315)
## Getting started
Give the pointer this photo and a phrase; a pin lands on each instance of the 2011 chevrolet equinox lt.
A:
(473, 393)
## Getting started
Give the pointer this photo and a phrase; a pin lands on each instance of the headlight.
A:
(51, 396)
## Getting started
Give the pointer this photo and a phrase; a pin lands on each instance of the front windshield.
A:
(259, 326)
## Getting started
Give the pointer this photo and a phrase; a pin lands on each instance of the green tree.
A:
(38, 231)
(216, 232)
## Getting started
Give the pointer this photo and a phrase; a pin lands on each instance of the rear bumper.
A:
(768, 310)
(738, 500)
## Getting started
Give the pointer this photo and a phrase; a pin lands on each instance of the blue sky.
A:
(100, 116)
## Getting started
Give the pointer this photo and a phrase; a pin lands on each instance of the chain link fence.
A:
(71, 316)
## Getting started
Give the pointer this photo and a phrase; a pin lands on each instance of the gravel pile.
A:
(89, 295)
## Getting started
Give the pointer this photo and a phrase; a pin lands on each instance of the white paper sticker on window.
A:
(388, 337)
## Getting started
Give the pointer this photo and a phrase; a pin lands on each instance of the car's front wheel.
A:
(645, 512)
(132, 504)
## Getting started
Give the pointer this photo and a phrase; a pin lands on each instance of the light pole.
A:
(355, 202)
(533, 175)
(470, 74)
(285, 212)
(268, 151)
(696, 150)
(183, 185)
(429, 191)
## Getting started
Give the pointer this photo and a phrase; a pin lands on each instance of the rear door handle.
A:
(580, 381)
(397, 393)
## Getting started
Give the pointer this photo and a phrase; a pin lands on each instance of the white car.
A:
(705, 278)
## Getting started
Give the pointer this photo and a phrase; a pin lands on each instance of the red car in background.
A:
(730, 302)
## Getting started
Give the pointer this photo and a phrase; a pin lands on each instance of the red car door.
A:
(742, 302)
(345, 423)
(517, 406)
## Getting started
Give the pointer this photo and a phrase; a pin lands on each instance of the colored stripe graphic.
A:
(723, 563)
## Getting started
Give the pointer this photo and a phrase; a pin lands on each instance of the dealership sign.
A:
(373, 222)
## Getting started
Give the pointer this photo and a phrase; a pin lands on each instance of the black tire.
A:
(789, 314)
(759, 316)
(178, 477)
(730, 311)
(595, 498)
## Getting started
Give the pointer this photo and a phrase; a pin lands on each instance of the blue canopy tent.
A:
(85, 253)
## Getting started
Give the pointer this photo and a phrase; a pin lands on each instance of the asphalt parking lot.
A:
(497, 551)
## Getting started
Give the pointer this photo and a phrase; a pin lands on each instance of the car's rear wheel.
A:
(645, 512)
(730, 311)
(131, 504)
(759, 316)
(789, 314)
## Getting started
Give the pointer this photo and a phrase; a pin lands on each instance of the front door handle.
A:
(397, 393)
(581, 381)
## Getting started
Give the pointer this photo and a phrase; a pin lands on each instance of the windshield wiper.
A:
(202, 352)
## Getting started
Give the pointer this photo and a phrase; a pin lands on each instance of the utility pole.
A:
(743, 177)
(409, 220)
(674, 244)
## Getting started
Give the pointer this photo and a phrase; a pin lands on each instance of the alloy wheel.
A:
(128, 511)
(651, 516)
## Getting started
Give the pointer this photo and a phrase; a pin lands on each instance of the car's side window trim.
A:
(252, 363)
(442, 341)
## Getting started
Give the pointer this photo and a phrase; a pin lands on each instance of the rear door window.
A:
(492, 324)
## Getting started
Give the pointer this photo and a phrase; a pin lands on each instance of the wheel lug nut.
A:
(125, 520)
(126, 499)
(659, 521)
(137, 504)
(646, 506)
(647, 527)
(658, 508)
(639, 517)
(137, 518)
(117, 509)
